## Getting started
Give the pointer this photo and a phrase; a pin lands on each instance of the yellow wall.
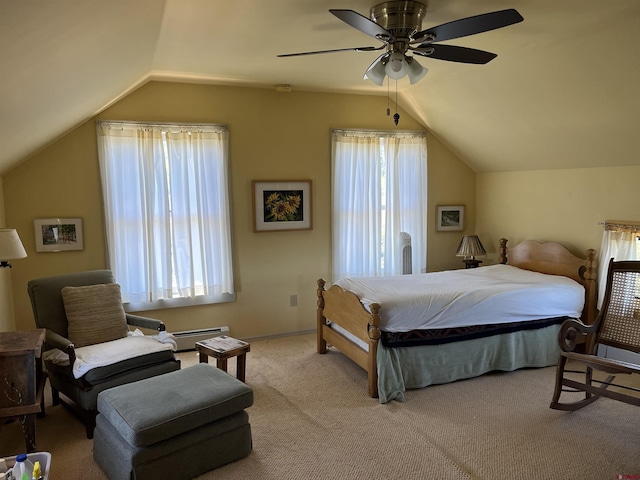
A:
(556, 205)
(6, 298)
(273, 136)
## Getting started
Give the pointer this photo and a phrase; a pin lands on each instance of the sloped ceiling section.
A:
(63, 61)
(562, 92)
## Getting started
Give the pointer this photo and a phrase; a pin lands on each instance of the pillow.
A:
(94, 313)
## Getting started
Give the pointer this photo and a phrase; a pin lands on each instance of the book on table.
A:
(223, 343)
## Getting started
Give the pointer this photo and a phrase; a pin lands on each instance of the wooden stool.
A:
(222, 348)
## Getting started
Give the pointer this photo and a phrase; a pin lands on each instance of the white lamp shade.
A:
(397, 66)
(376, 73)
(10, 245)
(416, 71)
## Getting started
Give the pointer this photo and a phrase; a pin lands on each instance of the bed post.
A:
(502, 251)
(321, 321)
(372, 359)
(590, 285)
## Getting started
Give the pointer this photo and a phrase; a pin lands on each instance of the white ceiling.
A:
(562, 92)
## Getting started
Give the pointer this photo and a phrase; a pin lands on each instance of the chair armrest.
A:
(145, 322)
(55, 340)
(572, 330)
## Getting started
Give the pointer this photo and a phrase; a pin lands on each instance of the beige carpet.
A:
(312, 419)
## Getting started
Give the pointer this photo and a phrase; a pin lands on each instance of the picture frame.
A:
(450, 218)
(58, 234)
(281, 205)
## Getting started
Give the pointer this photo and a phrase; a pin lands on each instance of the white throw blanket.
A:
(108, 353)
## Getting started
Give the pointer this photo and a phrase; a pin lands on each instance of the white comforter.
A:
(459, 298)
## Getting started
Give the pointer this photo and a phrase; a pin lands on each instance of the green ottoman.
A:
(177, 425)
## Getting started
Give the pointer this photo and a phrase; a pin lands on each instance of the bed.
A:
(407, 358)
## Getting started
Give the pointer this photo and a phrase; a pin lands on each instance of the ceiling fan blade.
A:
(353, 49)
(469, 26)
(363, 24)
(453, 53)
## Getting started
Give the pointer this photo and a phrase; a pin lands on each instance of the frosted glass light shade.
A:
(416, 71)
(397, 66)
(376, 73)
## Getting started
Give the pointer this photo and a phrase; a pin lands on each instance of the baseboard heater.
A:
(187, 340)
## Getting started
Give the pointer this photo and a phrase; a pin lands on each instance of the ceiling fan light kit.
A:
(398, 25)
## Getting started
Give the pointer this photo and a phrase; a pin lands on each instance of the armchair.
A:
(83, 317)
(618, 326)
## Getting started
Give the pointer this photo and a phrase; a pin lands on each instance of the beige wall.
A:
(6, 295)
(451, 182)
(556, 205)
(273, 135)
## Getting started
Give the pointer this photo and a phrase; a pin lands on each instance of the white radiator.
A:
(187, 340)
(405, 245)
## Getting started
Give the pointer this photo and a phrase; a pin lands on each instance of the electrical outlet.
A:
(293, 300)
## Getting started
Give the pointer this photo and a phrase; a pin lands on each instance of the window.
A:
(379, 183)
(167, 212)
(620, 241)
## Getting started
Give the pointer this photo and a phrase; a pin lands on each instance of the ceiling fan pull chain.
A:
(388, 98)
(396, 116)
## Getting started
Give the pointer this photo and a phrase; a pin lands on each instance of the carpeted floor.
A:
(312, 418)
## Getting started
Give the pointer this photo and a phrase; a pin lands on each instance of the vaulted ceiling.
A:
(562, 93)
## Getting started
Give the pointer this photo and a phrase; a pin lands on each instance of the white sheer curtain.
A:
(167, 210)
(620, 242)
(379, 182)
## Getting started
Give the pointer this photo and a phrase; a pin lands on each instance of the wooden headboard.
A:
(554, 259)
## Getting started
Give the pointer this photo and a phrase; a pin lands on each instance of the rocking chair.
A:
(618, 326)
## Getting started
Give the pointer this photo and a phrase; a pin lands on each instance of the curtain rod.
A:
(217, 126)
(621, 225)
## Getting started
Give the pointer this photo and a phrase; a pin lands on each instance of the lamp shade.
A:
(416, 71)
(470, 246)
(397, 66)
(376, 72)
(10, 245)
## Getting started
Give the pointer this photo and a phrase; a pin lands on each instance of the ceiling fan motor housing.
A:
(401, 18)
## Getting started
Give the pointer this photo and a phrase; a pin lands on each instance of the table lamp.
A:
(469, 247)
(10, 246)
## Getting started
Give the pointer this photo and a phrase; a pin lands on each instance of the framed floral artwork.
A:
(281, 205)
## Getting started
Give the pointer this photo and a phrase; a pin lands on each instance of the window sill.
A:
(179, 302)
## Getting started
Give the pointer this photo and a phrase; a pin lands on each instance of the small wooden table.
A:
(22, 380)
(222, 348)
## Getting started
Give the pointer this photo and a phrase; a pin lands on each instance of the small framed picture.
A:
(58, 234)
(450, 218)
(281, 205)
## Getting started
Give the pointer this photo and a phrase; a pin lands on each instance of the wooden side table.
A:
(22, 380)
(222, 348)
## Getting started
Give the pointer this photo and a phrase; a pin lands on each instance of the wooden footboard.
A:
(361, 329)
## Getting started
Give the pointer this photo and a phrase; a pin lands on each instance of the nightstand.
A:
(22, 380)
(472, 263)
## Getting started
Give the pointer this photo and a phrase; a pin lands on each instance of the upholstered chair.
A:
(89, 346)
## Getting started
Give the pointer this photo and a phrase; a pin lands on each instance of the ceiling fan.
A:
(398, 25)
